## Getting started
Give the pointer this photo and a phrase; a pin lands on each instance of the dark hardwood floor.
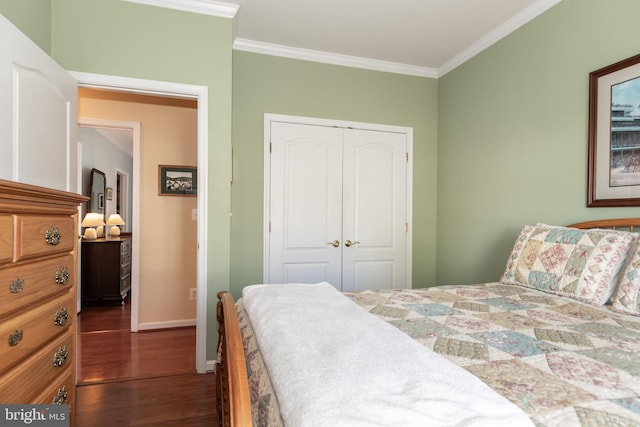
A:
(145, 379)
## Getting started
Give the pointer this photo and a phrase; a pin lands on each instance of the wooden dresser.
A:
(106, 268)
(38, 269)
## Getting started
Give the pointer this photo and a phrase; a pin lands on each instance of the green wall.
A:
(32, 17)
(126, 39)
(266, 84)
(512, 141)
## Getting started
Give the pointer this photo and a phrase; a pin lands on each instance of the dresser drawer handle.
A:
(15, 338)
(62, 275)
(16, 286)
(61, 317)
(52, 235)
(60, 397)
(60, 357)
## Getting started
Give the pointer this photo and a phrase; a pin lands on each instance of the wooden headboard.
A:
(628, 224)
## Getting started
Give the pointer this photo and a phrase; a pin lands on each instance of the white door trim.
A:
(269, 118)
(200, 93)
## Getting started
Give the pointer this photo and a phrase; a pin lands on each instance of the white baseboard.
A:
(166, 325)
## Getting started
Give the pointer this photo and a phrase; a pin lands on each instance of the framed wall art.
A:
(177, 180)
(613, 171)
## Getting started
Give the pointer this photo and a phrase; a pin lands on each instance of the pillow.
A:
(626, 300)
(579, 264)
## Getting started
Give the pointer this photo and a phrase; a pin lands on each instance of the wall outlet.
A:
(193, 293)
(194, 214)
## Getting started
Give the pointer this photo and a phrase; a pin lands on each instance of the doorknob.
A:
(335, 243)
(348, 243)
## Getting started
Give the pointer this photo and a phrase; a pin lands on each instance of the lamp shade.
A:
(115, 219)
(92, 219)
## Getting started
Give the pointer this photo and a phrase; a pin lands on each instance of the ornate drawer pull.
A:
(52, 235)
(62, 275)
(15, 338)
(60, 357)
(16, 286)
(60, 397)
(61, 316)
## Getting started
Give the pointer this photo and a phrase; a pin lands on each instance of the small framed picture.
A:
(100, 200)
(177, 180)
(109, 193)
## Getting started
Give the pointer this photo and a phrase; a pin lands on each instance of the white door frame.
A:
(269, 118)
(199, 93)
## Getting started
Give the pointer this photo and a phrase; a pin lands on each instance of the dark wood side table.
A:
(106, 268)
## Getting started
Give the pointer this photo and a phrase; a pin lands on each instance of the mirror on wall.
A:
(98, 186)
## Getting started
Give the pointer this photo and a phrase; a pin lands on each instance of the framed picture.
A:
(613, 171)
(109, 193)
(100, 200)
(177, 180)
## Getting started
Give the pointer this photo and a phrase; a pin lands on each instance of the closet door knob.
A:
(349, 243)
(335, 243)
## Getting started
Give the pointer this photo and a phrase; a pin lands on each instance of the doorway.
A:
(200, 96)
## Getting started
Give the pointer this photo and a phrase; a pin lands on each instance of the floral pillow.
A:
(626, 299)
(579, 264)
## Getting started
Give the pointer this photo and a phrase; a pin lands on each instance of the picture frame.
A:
(613, 156)
(101, 201)
(177, 180)
(109, 193)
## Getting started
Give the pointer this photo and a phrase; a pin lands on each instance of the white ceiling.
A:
(423, 37)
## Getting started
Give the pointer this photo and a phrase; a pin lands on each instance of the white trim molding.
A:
(517, 21)
(332, 58)
(205, 7)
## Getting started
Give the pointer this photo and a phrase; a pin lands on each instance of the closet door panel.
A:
(374, 210)
(306, 204)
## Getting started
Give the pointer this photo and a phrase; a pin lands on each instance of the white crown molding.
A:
(517, 21)
(205, 7)
(332, 58)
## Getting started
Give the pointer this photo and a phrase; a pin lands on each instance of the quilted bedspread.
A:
(563, 362)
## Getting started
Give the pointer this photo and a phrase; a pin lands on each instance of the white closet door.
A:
(337, 207)
(38, 110)
(374, 210)
(306, 204)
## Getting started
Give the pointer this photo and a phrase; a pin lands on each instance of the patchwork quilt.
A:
(563, 362)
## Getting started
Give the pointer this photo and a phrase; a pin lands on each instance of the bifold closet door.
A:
(337, 207)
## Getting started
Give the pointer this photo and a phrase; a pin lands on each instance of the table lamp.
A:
(114, 221)
(90, 221)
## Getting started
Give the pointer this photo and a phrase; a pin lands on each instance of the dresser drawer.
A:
(22, 285)
(6, 238)
(25, 333)
(125, 246)
(125, 285)
(24, 383)
(45, 234)
(60, 392)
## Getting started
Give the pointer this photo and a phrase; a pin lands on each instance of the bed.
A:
(557, 337)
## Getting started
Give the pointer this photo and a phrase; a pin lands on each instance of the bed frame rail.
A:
(233, 403)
